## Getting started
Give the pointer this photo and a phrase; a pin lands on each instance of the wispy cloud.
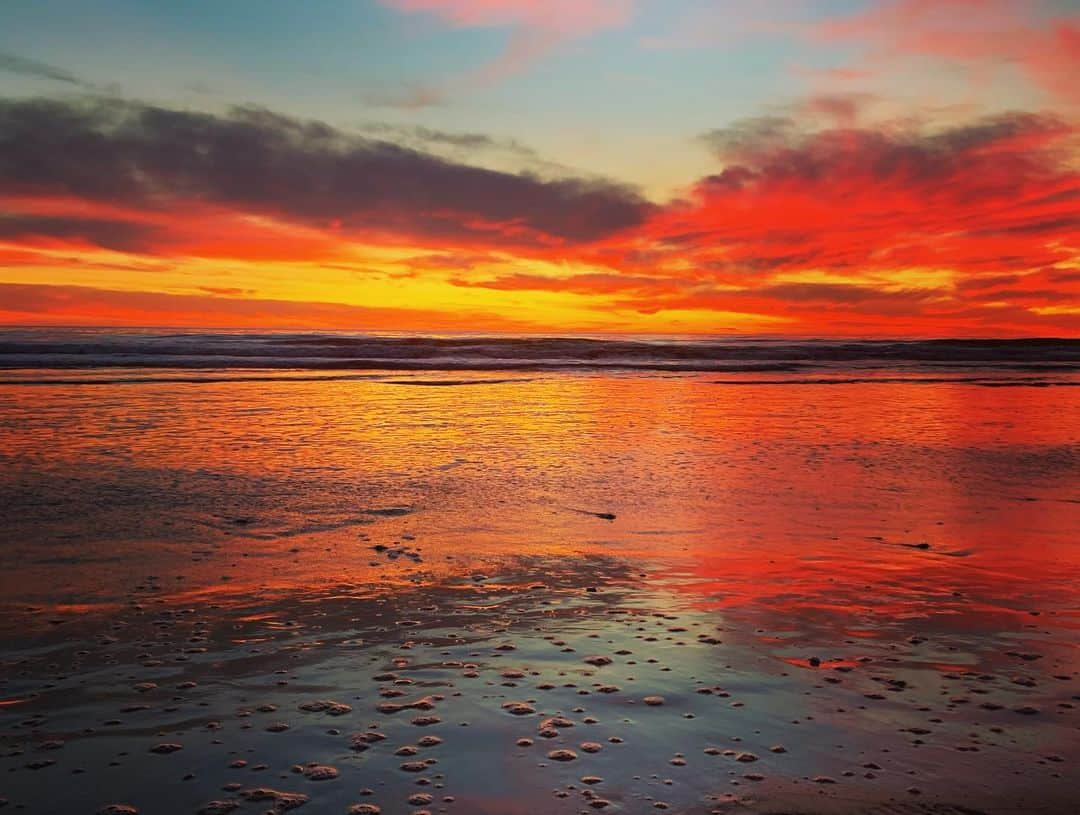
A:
(979, 35)
(535, 26)
(15, 64)
(565, 17)
(470, 141)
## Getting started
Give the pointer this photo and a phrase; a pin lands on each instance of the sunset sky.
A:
(804, 167)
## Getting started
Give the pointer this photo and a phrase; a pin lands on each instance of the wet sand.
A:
(554, 594)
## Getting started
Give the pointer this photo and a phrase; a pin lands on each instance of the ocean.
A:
(228, 353)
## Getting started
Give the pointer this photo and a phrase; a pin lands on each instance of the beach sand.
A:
(539, 594)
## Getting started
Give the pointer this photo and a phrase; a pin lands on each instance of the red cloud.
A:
(997, 195)
(994, 205)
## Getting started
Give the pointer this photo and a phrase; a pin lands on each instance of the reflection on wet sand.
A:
(623, 595)
(531, 680)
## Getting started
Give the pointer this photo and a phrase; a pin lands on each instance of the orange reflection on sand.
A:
(748, 494)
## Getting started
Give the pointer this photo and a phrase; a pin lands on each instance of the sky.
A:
(874, 168)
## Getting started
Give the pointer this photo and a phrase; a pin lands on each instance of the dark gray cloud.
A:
(123, 236)
(464, 145)
(427, 138)
(748, 137)
(39, 70)
(841, 293)
(261, 162)
(778, 147)
(406, 96)
(419, 133)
